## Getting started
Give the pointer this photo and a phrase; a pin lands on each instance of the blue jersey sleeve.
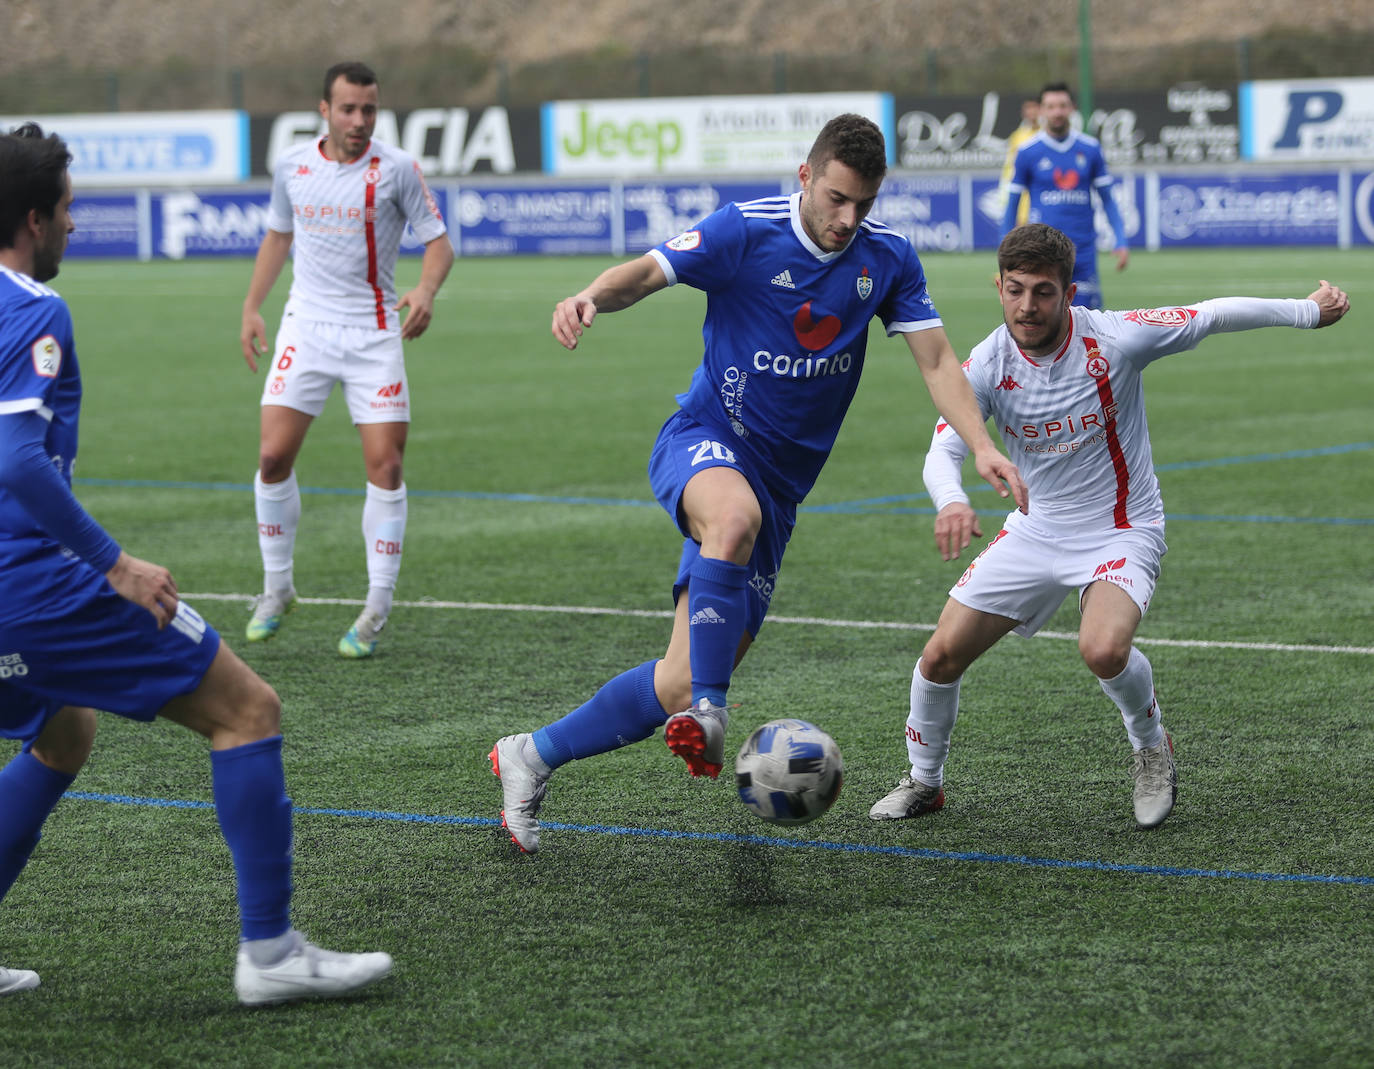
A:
(37, 337)
(29, 476)
(908, 305)
(709, 255)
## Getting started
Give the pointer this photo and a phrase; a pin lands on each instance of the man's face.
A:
(50, 241)
(351, 112)
(1035, 307)
(834, 201)
(1030, 113)
(1056, 109)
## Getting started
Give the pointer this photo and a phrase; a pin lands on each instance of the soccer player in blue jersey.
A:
(1060, 169)
(85, 626)
(791, 284)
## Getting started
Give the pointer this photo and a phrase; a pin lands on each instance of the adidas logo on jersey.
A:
(707, 615)
(784, 279)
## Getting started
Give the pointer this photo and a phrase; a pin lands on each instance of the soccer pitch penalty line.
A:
(811, 621)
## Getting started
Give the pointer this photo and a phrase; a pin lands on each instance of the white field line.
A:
(813, 621)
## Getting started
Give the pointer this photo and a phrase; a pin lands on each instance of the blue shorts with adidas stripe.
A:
(685, 447)
(75, 641)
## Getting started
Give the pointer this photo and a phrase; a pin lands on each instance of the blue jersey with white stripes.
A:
(786, 328)
(1060, 177)
(38, 375)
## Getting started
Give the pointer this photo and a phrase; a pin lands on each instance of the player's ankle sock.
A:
(625, 710)
(255, 816)
(29, 790)
(716, 599)
(384, 533)
(934, 709)
(278, 506)
(265, 952)
(1134, 693)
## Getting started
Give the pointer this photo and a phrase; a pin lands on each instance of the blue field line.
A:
(883, 505)
(921, 853)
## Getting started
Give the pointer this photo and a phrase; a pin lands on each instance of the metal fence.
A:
(457, 77)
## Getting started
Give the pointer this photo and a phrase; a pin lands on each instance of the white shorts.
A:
(310, 357)
(1026, 571)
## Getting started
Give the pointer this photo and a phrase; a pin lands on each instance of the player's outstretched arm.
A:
(270, 260)
(149, 585)
(954, 399)
(615, 288)
(434, 268)
(1332, 303)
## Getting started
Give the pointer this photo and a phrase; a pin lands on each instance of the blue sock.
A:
(255, 817)
(716, 599)
(625, 710)
(29, 790)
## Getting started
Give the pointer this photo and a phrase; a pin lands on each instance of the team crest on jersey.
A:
(1161, 317)
(864, 284)
(47, 356)
(685, 242)
(372, 176)
(278, 385)
(1097, 363)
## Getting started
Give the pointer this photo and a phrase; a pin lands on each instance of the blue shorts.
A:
(77, 642)
(685, 447)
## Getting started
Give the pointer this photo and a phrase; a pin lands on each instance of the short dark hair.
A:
(1037, 247)
(351, 71)
(1056, 87)
(853, 140)
(33, 170)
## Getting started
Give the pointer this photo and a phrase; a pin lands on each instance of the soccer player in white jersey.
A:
(792, 284)
(1063, 385)
(85, 626)
(344, 200)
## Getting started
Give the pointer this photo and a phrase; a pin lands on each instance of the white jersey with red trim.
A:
(347, 220)
(1074, 423)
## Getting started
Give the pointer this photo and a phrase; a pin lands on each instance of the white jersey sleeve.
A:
(1146, 334)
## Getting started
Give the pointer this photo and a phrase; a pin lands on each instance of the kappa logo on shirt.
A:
(303, 171)
(1008, 383)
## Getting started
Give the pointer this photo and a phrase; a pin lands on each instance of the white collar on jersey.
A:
(815, 250)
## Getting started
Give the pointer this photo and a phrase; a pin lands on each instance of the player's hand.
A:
(149, 585)
(253, 339)
(421, 305)
(955, 526)
(1003, 476)
(1123, 257)
(1332, 302)
(571, 316)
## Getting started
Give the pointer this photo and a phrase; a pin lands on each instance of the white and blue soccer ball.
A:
(789, 772)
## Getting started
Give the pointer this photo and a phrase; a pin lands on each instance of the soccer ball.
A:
(789, 772)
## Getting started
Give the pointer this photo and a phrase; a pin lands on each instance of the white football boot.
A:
(12, 980)
(910, 798)
(523, 787)
(698, 737)
(1156, 783)
(307, 972)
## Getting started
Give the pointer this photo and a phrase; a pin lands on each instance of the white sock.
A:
(266, 952)
(384, 532)
(1134, 693)
(278, 507)
(934, 708)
